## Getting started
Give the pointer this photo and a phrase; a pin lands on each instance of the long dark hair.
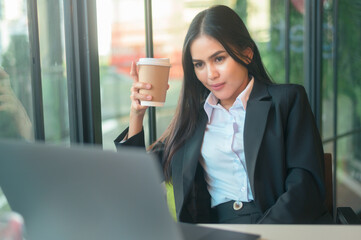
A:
(224, 25)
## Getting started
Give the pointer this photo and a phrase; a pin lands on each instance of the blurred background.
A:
(64, 75)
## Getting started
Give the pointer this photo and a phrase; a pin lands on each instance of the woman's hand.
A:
(137, 111)
(135, 96)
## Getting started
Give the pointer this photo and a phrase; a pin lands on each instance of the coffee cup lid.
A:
(154, 61)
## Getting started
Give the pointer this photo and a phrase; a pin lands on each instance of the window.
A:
(348, 117)
(53, 71)
(15, 78)
(121, 40)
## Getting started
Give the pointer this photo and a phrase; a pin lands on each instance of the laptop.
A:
(88, 193)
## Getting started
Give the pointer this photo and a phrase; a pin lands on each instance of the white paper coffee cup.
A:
(156, 72)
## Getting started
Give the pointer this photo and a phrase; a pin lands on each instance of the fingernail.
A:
(148, 86)
(149, 97)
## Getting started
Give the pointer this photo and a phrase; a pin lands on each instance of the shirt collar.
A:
(212, 101)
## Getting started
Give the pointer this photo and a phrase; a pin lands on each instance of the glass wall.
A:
(15, 81)
(328, 97)
(349, 105)
(121, 40)
(53, 72)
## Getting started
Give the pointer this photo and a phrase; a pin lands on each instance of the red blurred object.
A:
(300, 5)
(129, 45)
(11, 226)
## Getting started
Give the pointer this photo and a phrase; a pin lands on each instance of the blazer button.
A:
(237, 205)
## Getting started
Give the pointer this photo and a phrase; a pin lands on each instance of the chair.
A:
(341, 215)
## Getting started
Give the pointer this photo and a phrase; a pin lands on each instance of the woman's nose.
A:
(212, 72)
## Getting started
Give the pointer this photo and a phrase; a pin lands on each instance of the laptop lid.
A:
(85, 193)
(88, 193)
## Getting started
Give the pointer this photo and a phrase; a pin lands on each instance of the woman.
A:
(239, 149)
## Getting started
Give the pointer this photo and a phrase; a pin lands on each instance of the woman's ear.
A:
(248, 54)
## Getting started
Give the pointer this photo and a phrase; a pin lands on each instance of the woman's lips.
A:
(217, 86)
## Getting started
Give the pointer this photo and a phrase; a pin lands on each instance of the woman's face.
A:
(217, 70)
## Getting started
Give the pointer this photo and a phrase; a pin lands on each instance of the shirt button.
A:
(243, 189)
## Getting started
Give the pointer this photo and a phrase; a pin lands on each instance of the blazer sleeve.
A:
(303, 199)
(135, 141)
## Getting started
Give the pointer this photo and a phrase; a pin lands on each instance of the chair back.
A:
(329, 203)
(343, 215)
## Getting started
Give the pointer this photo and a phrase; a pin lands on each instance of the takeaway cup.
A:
(156, 72)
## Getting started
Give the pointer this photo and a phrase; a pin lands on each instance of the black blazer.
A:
(284, 158)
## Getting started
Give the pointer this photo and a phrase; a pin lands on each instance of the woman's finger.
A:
(140, 85)
(137, 106)
(134, 71)
(142, 97)
(135, 96)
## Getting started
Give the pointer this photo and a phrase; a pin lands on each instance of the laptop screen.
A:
(85, 193)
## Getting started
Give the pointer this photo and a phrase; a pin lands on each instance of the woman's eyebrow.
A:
(210, 57)
(215, 54)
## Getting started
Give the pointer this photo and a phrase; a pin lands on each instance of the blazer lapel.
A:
(258, 107)
(185, 163)
(192, 153)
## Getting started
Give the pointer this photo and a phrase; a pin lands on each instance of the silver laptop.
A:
(87, 193)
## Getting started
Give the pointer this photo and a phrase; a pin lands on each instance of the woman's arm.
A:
(134, 135)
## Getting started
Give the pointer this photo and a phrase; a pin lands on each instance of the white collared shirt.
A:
(223, 150)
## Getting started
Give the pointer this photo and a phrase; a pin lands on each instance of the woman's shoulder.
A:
(287, 90)
(291, 87)
(287, 95)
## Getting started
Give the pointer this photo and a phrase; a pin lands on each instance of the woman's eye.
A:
(219, 59)
(198, 65)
